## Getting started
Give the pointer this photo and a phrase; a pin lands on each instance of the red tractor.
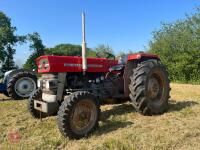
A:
(74, 88)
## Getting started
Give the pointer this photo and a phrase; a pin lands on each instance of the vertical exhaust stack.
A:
(84, 47)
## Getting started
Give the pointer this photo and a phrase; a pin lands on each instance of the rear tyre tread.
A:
(138, 88)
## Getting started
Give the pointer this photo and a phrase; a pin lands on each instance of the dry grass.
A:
(121, 127)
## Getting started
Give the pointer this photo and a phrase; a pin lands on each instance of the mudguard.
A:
(138, 56)
(7, 76)
(132, 61)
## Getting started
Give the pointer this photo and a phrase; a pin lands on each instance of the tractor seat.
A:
(116, 68)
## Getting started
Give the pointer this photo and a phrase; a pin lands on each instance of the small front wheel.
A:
(78, 115)
(37, 95)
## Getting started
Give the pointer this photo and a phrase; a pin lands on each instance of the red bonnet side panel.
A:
(74, 64)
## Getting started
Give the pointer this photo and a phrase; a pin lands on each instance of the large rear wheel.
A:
(149, 87)
(78, 115)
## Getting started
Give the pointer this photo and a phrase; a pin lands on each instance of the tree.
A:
(8, 62)
(37, 48)
(104, 51)
(68, 50)
(125, 53)
(178, 46)
(8, 39)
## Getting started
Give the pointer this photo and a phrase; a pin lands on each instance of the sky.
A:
(122, 24)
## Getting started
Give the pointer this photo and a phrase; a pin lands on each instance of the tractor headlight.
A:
(38, 83)
(47, 85)
(43, 64)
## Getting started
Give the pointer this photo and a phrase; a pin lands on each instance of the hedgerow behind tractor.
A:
(74, 88)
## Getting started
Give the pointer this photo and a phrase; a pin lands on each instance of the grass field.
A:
(120, 126)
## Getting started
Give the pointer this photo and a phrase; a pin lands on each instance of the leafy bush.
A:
(178, 45)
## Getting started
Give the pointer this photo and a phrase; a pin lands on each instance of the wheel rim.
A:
(83, 116)
(155, 86)
(25, 86)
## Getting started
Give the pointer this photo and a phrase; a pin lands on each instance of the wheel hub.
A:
(83, 116)
(25, 86)
(83, 119)
(153, 87)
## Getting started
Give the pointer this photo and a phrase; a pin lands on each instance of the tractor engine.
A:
(58, 82)
(74, 82)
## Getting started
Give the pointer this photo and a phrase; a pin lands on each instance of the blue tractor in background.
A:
(3, 89)
(17, 84)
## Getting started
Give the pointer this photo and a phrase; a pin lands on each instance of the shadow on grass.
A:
(5, 99)
(117, 111)
(179, 105)
(109, 125)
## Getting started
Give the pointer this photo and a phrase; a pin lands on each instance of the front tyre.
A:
(78, 115)
(37, 95)
(149, 87)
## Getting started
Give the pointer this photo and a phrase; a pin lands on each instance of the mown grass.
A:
(120, 126)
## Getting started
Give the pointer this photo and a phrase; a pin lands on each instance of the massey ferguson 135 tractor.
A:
(74, 88)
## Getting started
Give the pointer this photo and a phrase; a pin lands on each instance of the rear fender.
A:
(128, 71)
(142, 56)
(132, 62)
(7, 76)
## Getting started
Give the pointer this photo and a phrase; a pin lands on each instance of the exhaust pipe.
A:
(84, 59)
